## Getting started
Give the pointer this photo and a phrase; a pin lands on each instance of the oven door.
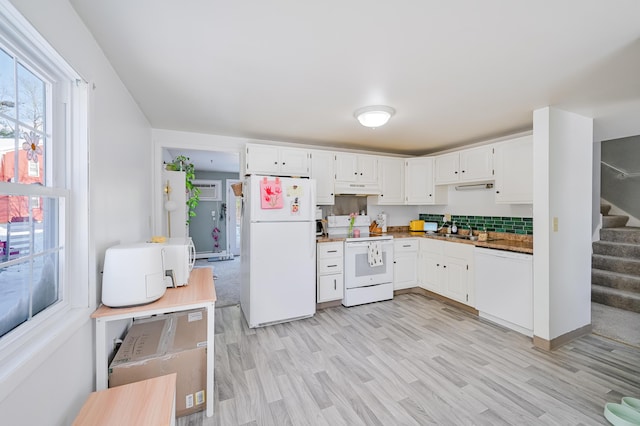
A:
(358, 272)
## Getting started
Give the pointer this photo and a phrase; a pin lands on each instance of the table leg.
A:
(211, 331)
(102, 371)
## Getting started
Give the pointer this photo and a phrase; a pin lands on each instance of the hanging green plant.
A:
(183, 164)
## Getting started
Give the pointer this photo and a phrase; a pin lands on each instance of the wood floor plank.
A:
(412, 360)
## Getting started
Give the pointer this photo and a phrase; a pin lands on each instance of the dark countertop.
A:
(498, 241)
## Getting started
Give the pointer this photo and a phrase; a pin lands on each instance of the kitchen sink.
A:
(461, 237)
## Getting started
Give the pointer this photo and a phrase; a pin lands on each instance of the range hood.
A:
(354, 188)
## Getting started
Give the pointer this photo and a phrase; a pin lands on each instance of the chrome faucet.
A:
(470, 230)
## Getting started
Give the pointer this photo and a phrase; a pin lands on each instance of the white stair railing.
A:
(622, 174)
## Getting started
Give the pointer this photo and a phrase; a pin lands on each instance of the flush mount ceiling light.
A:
(374, 116)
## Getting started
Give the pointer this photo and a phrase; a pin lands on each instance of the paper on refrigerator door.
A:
(271, 194)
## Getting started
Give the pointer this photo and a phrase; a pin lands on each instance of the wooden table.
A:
(149, 402)
(199, 293)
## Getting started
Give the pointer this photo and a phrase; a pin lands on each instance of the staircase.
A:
(615, 264)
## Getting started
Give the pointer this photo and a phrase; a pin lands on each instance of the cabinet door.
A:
(262, 159)
(346, 167)
(322, 163)
(430, 265)
(455, 279)
(459, 280)
(446, 168)
(367, 166)
(419, 181)
(294, 162)
(432, 272)
(405, 270)
(476, 164)
(330, 287)
(514, 171)
(391, 181)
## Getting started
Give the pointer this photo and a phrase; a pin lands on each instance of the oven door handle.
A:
(366, 243)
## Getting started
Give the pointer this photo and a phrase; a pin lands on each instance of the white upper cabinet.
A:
(322, 170)
(276, 160)
(514, 171)
(391, 179)
(419, 183)
(356, 174)
(469, 165)
(356, 168)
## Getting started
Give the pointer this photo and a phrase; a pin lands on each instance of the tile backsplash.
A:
(513, 225)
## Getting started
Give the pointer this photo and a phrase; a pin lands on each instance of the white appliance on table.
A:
(179, 258)
(504, 288)
(278, 250)
(368, 261)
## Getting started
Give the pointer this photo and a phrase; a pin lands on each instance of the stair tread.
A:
(626, 229)
(619, 258)
(625, 293)
(616, 243)
(615, 274)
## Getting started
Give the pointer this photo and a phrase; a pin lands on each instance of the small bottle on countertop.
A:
(454, 228)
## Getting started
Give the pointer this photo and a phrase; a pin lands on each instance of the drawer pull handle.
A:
(406, 245)
(335, 285)
(331, 266)
(332, 251)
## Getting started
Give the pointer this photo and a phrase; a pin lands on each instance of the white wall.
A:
(120, 146)
(563, 158)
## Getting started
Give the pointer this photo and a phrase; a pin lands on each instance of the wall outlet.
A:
(555, 224)
(213, 213)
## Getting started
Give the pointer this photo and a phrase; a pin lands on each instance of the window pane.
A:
(7, 144)
(44, 212)
(14, 296)
(45, 282)
(28, 225)
(30, 157)
(7, 85)
(30, 98)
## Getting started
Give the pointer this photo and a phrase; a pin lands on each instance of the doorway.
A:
(208, 228)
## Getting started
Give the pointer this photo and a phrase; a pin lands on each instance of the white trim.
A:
(25, 348)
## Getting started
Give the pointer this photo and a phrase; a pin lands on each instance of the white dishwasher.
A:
(504, 288)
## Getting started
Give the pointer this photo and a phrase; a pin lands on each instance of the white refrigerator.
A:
(278, 250)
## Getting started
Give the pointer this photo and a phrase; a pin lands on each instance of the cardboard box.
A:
(172, 343)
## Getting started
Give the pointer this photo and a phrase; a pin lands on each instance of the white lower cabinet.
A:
(446, 268)
(330, 271)
(405, 263)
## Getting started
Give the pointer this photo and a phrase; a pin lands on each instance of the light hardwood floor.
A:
(410, 361)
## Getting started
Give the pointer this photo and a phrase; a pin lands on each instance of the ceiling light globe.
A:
(374, 116)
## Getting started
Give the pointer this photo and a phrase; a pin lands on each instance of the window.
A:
(42, 135)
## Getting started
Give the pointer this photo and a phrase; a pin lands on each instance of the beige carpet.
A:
(226, 276)
(616, 324)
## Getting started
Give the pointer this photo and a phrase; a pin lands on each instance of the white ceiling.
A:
(456, 71)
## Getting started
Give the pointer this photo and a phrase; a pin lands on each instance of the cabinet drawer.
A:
(330, 266)
(405, 244)
(330, 250)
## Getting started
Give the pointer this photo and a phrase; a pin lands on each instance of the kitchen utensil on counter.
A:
(416, 225)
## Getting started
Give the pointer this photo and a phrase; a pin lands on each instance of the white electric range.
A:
(368, 261)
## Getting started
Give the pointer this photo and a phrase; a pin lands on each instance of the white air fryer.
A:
(133, 274)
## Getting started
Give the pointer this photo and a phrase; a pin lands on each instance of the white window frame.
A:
(25, 348)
